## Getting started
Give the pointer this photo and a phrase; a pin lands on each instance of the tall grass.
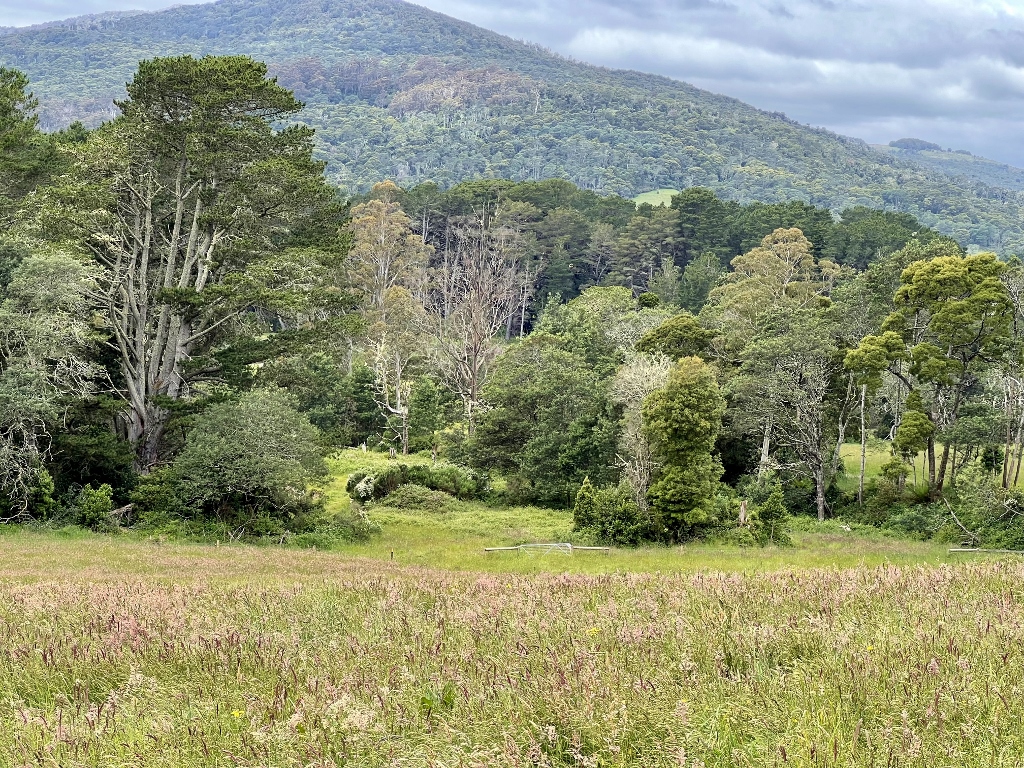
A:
(121, 653)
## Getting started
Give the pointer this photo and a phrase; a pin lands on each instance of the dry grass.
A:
(124, 653)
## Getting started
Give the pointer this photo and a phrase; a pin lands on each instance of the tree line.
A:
(194, 317)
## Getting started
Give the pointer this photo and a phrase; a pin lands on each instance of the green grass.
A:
(847, 649)
(119, 652)
(456, 539)
(656, 197)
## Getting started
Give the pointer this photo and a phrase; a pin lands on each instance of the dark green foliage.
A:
(550, 423)
(860, 234)
(609, 515)
(429, 409)
(338, 403)
(250, 461)
(93, 455)
(446, 478)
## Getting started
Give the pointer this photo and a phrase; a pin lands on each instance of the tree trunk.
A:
(863, 445)
(942, 468)
(1008, 445)
(931, 467)
(762, 467)
(819, 492)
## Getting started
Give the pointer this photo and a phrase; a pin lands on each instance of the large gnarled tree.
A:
(191, 188)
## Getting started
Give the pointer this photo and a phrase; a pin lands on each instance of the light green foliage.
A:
(656, 197)
(93, 506)
(602, 325)
(951, 322)
(683, 420)
(43, 340)
(251, 457)
(584, 510)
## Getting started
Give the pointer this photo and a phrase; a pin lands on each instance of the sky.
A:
(947, 71)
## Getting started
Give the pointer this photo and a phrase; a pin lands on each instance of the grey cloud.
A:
(945, 70)
(18, 13)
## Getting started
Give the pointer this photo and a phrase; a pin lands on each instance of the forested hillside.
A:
(397, 91)
(961, 163)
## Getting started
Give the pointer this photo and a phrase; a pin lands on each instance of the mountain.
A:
(960, 163)
(398, 91)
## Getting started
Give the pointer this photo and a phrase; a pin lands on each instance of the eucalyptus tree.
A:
(186, 201)
(951, 324)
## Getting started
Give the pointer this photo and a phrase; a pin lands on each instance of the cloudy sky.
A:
(949, 71)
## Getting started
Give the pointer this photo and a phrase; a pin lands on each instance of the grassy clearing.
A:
(456, 538)
(656, 197)
(124, 653)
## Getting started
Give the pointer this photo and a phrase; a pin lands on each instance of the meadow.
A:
(417, 649)
(656, 197)
(120, 652)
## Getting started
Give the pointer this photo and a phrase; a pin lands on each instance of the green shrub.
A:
(41, 502)
(250, 463)
(610, 515)
(93, 508)
(769, 519)
(413, 496)
(368, 485)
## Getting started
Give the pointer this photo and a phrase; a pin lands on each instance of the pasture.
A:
(120, 652)
(417, 649)
(656, 197)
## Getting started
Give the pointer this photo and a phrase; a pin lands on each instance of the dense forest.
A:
(194, 316)
(956, 163)
(398, 92)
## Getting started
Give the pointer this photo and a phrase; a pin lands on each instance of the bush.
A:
(769, 520)
(93, 508)
(420, 498)
(609, 515)
(367, 485)
(250, 463)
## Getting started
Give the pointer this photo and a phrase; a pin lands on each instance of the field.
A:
(417, 649)
(456, 538)
(127, 653)
(656, 197)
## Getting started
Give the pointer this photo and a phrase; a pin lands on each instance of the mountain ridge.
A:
(398, 91)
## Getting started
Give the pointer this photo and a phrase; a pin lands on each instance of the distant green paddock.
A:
(656, 197)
